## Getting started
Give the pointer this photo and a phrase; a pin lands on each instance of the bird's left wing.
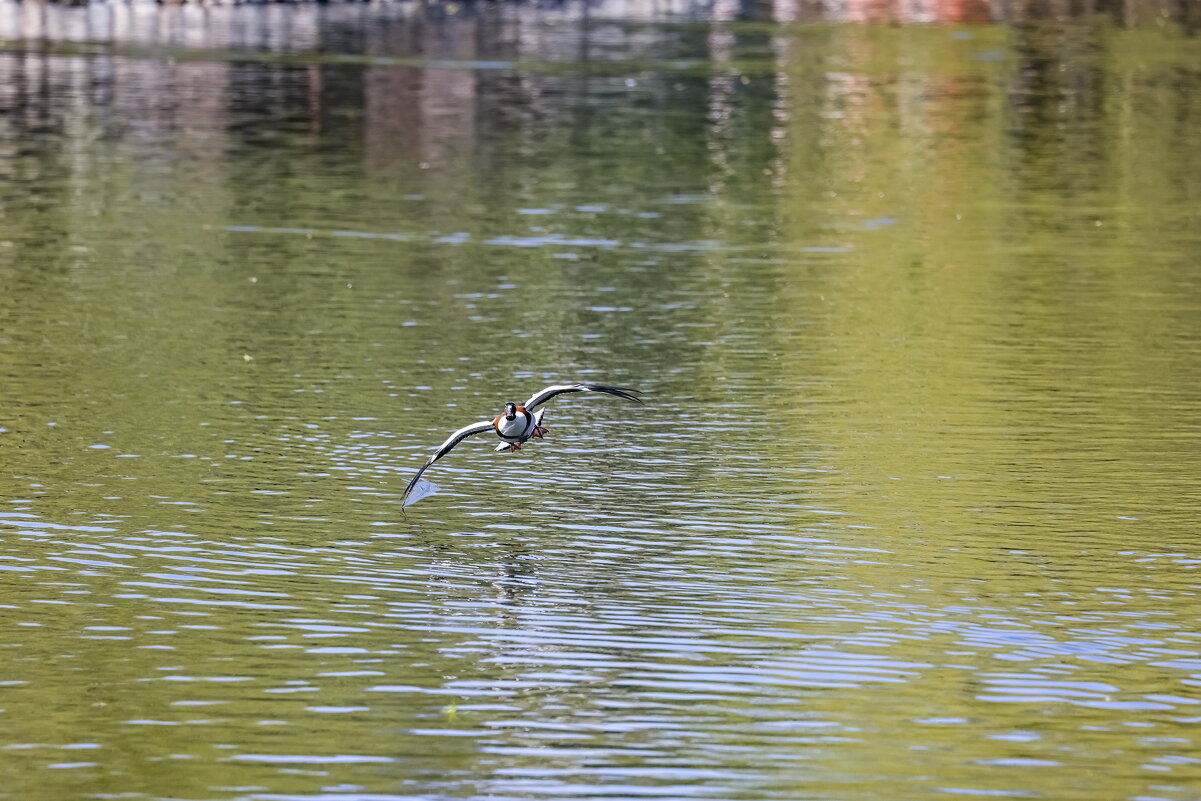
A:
(445, 448)
(558, 389)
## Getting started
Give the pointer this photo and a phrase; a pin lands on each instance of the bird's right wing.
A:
(446, 447)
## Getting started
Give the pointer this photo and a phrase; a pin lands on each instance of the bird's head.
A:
(510, 410)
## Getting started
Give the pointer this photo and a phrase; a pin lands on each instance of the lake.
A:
(912, 295)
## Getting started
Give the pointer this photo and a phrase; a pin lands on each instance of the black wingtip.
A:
(409, 489)
(621, 392)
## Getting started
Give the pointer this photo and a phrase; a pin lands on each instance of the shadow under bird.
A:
(517, 423)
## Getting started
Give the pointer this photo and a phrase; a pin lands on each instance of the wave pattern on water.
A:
(909, 510)
(531, 240)
(573, 653)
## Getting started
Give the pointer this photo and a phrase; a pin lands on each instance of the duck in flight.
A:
(517, 423)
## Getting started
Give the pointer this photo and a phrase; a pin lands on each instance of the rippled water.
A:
(909, 511)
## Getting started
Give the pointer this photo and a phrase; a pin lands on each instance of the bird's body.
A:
(520, 428)
(517, 423)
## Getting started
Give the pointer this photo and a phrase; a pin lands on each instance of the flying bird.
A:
(517, 423)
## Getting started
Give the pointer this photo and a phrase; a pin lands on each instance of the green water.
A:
(910, 511)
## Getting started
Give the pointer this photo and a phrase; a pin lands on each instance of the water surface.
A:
(909, 512)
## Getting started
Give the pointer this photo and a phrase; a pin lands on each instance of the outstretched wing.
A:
(558, 389)
(445, 448)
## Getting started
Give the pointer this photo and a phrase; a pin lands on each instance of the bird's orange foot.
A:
(514, 446)
(539, 431)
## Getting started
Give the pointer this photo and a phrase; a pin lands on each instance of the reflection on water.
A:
(909, 509)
